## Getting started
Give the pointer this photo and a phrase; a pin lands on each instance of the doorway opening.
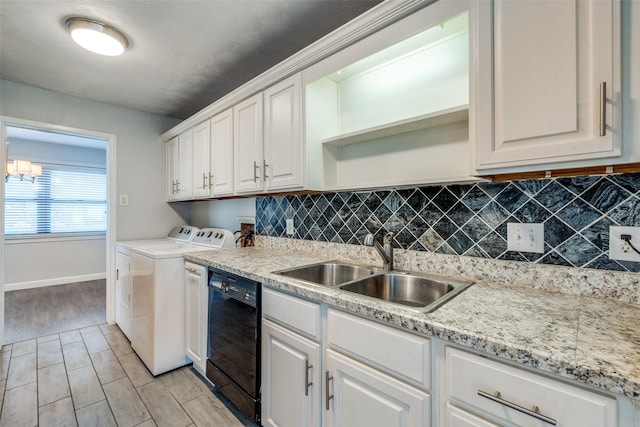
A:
(57, 229)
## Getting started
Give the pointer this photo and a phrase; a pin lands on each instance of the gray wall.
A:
(140, 173)
(222, 213)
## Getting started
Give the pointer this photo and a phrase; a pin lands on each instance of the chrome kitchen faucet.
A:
(386, 251)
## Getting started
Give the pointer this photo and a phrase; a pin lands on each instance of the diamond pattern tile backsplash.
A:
(471, 219)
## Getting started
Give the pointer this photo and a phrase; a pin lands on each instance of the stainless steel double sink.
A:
(416, 291)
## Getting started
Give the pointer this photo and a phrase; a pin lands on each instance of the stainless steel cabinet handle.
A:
(191, 270)
(204, 180)
(117, 274)
(533, 412)
(307, 384)
(603, 108)
(210, 180)
(327, 393)
(255, 168)
(173, 186)
(264, 168)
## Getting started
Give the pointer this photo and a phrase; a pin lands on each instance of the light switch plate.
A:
(618, 248)
(290, 226)
(525, 237)
(124, 200)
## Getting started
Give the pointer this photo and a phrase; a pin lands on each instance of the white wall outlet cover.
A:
(290, 226)
(525, 237)
(124, 200)
(618, 248)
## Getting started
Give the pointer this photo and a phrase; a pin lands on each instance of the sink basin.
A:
(328, 273)
(409, 290)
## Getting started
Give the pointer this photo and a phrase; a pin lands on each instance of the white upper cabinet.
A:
(200, 159)
(283, 144)
(547, 83)
(268, 149)
(393, 108)
(173, 166)
(248, 140)
(185, 144)
(179, 161)
(221, 178)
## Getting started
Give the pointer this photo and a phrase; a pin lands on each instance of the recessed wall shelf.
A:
(425, 121)
(393, 109)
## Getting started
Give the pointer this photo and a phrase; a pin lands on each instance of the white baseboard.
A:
(51, 282)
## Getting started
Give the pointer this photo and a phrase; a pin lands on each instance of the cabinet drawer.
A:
(458, 418)
(402, 354)
(296, 313)
(468, 375)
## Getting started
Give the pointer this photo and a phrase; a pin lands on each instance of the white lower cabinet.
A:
(517, 397)
(358, 396)
(196, 303)
(322, 367)
(334, 379)
(123, 293)
(291, 380)
(291, 361)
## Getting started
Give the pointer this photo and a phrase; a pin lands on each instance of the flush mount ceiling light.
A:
(97, 37)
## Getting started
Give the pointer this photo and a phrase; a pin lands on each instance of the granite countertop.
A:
(594, 341)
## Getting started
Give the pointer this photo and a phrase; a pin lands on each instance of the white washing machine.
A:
(156, 318)
(179, 234)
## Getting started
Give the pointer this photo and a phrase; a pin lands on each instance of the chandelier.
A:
(21, 168)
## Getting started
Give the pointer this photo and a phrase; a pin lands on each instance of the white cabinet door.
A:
(291, 378)
(173, 166)
(547, 84)
(359, 396)
(248, 139)
(283, 145)
(196, 315)
(123, 293)
(200, 156)
(185, 142)
(221, 179)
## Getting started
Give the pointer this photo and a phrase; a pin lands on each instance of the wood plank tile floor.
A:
(32, 313)
(92, 377)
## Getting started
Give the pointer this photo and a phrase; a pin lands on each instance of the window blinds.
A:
(63, 200)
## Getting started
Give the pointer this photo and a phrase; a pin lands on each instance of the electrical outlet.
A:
(525, 237)
(124, 200)
(290, 227)
(621, 250)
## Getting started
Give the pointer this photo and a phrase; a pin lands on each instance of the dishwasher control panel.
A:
(233, 286)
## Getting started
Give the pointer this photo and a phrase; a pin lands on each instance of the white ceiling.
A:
(183, 54)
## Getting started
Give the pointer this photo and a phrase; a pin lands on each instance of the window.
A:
(64, 199)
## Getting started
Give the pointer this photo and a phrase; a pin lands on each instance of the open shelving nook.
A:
(397, 116)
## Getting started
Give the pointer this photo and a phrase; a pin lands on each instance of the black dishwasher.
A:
(233, 363)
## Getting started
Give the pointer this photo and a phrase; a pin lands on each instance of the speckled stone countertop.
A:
(594, 341)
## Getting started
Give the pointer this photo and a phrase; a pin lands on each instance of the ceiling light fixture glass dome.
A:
(97, 37)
